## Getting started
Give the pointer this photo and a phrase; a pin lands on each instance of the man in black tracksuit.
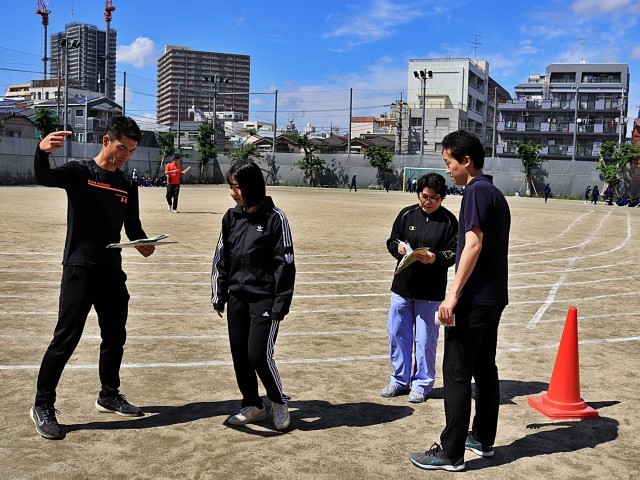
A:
(253, 274)
(101, 199)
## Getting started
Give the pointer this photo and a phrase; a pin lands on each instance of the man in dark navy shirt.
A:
(472, 309)
(101, 199)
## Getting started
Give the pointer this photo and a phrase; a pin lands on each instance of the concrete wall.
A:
(566, 178)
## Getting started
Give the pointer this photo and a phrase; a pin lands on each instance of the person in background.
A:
(101, 199)
(546, 191)
(586, 194)
(595, 195)
(416, 291)
(477, 296)
(353, 184)
(173, 171)
(253, 276)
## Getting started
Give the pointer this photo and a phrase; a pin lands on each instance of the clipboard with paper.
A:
(157, 240)
(410, 256)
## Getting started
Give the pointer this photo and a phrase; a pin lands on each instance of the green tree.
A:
(380, 158)
(244, 153)
(207, 148)
(528, 154)
(614, 159)
(311, 165)
(167, 149)
(46, 122)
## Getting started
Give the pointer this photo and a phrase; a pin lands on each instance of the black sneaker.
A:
(476, 447)
(44, 416)
(435, 459)
(118, 404)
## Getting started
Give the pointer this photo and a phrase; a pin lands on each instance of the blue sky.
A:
(314, 52)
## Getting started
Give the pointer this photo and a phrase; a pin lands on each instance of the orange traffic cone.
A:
(562, 400)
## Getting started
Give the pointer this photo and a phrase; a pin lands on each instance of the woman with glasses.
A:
(417, 290)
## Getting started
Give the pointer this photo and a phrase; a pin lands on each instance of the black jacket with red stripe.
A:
(254, 256)
(99, 203)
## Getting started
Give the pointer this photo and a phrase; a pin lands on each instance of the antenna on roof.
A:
(582, 41)
(475, 44)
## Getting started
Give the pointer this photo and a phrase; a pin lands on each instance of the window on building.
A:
(612, 102)
(415, 121)
(563, 77)
(438, 147)
(588, 100)
(601, 77)
(442, 122)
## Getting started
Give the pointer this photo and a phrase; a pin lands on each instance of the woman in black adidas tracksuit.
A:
(253, 274)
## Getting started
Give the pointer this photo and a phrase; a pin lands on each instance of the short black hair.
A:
(250, 181)
(176, 156)
(120, 125)
(461, 144)
(434, 181)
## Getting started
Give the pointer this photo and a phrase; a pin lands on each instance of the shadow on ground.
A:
(306, 415)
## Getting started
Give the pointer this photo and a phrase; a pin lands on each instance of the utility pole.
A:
(495, 121)
(621, 124)
(179, 96)
(575, 131)
(423, 75)
(124, 93)
(275, 122)
(350, 120)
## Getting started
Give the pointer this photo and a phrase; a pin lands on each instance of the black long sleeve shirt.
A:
(439, 232)
(254, 255)
(99, 203)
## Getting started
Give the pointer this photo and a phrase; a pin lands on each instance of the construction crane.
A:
(44, 13)
(108, 9)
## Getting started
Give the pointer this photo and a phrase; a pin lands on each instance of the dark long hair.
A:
(250, 181)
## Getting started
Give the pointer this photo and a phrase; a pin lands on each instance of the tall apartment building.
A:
(459, 94)
(208, 81)
(571, 110)
(85, 48)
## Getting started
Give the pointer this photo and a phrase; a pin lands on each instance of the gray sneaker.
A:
(248, 415)
(417, 397)
(281, 418)
(118, 404)
(476, 447)
(393, 391)
(435, 459)
(44, 416)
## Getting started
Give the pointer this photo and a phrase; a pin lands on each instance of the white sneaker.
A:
(281, 418)
(169, 207)
(174, 211)
(248, 415)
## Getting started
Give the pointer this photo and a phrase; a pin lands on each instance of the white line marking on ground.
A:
(352, 358)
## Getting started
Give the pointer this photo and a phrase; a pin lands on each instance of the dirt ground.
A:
(331, 350)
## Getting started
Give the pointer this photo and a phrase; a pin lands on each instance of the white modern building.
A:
(450, 94)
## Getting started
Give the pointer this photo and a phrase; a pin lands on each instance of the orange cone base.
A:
(554, 409)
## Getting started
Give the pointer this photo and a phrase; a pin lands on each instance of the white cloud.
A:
(377, 23)
(140, 53)
(635, 53)
(596, 7)
(326, 104)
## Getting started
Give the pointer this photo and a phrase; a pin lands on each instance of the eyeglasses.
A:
(432, 198)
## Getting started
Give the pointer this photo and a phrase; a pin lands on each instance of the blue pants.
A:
(412, 322)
